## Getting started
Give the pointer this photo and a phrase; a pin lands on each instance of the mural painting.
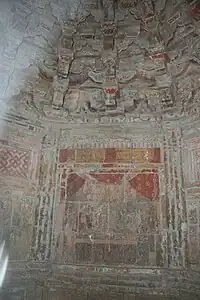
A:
(109, 206)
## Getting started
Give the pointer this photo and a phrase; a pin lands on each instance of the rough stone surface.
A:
(100, 149)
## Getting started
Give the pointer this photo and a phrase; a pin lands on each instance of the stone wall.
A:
(108, 206)
(191, 148)
(99, 154)
(18, 169)
(114, 210)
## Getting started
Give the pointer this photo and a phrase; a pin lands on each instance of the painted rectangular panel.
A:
(123, 155)
(14, 162)
(90, 155)
(66, 155)
(144, 155)
(110, 155)
(110, 215)
(146, 185)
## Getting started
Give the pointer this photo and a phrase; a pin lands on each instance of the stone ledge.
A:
(146, 281)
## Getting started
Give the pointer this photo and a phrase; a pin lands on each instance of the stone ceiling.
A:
(63, 59)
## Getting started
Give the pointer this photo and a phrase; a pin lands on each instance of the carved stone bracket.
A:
(65, 57)
(110, 96)
(127, 3)
(108, 30)
(102, 64)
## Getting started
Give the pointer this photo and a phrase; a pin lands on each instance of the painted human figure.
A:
(83, 223)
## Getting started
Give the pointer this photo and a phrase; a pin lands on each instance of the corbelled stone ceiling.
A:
(67, 58)
(100, 149)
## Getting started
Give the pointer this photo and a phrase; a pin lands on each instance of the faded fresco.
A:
(100, 148)
(192, 183)
(109, 202)
(18, 165)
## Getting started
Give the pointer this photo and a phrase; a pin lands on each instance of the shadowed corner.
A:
(3, 263)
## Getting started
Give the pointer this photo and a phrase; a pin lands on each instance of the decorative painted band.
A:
(111, 91)
(163, 55)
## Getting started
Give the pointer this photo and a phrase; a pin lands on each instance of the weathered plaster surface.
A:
(99, 169)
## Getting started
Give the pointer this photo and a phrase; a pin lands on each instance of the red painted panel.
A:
(74, 183)
(110, 155)
(146, 185)
(63, 155)
(156, 156)
(66, 154)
